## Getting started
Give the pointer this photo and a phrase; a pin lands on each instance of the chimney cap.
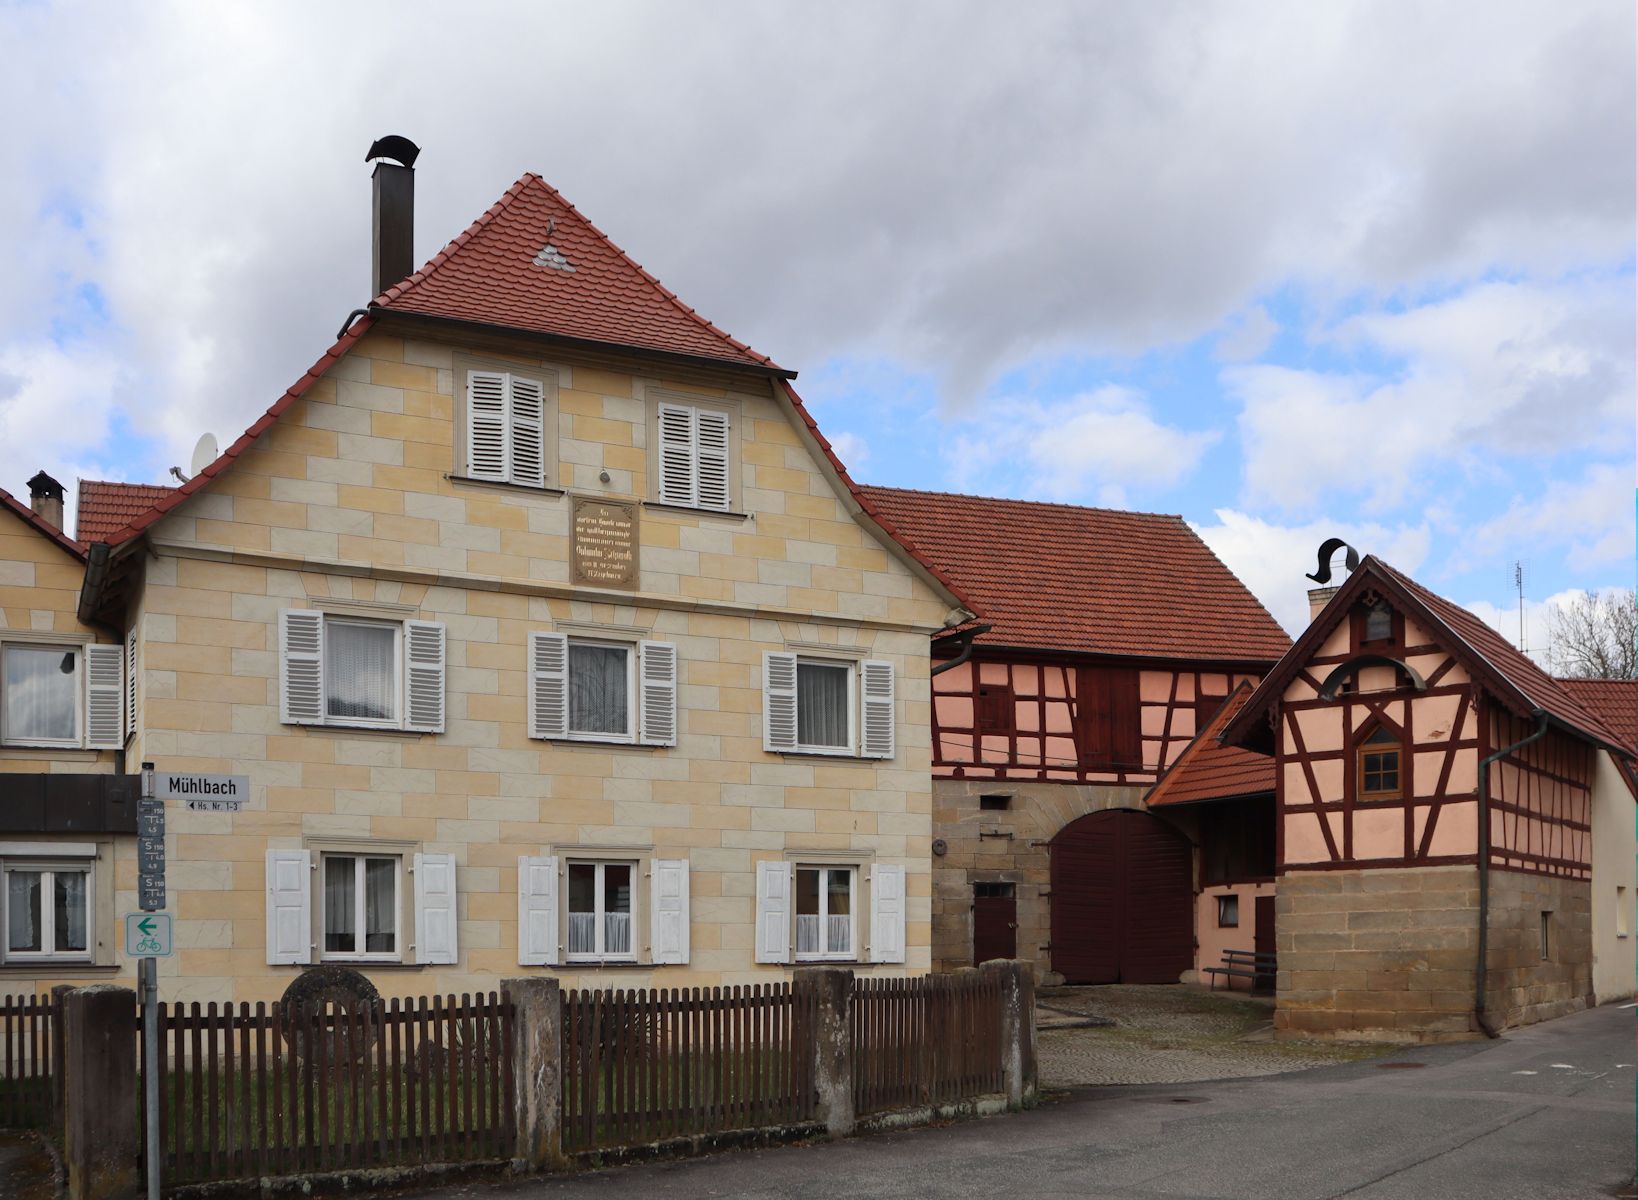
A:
(396, 147)
(44, 485)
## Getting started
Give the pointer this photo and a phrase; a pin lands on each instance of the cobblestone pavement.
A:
(1173, 1034)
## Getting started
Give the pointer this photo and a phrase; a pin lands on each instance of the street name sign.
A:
(148, 935)
(203, 793)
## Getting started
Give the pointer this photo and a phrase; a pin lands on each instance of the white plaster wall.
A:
(1614, 844)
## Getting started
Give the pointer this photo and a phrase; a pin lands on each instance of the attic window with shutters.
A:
(508, 432)
(693, 461)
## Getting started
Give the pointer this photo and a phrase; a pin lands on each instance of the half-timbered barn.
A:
(1439, 803)
(1105, 641)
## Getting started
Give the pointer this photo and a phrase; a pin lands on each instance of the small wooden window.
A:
(1228, 912)
(1379, 766)
(995, 708)
(1379, 622)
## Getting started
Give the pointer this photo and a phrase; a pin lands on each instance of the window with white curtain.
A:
(361, 905)
(361, 671)
(48, 911)
(600, 911)
(825, 918)
(600, 689)
(40, 691)
(824, 692)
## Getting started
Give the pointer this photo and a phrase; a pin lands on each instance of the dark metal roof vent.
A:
(392, 246)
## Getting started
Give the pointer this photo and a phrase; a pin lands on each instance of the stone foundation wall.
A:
(1005, 846)
(1378, 955)
(1523, 985)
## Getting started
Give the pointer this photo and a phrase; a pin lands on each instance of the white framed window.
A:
(507, 428)
(818, 705)
(600, 908)
(826, 913)
(360, 672)
(62, 695)
(48, 911)
(695, 449)
(602, 690)
(360, 907)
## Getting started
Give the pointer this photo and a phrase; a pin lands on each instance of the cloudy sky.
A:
(1290, 270)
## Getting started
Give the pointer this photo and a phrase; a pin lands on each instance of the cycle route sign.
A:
(148, 935)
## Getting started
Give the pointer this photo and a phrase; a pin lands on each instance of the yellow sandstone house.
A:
(548, 631)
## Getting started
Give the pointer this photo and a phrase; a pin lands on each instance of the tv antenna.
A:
(1521, 575)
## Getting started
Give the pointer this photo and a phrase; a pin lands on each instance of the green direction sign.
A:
(148, 935)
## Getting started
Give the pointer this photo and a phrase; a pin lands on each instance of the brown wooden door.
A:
(1122, 900)
(1262, 937)
(995, 922)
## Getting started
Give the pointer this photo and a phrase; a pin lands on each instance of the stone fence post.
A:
(99, 1066)
(1017, 980)
(832, 1044)
(537, 1072)
(58, 993)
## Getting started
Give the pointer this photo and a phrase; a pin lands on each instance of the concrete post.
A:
(832, 1044)
(537, 1072)
(100, 1097)
(58, 993)
(1017, 980)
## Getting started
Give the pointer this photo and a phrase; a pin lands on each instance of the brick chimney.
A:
(1318, 598)
(45, 497)
(392, 243)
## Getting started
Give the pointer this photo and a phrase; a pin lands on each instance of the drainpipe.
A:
(1481, 965)
(967, 637)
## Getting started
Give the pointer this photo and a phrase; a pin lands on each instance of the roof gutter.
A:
(95, 583)
(1481, 965)
(965, 640)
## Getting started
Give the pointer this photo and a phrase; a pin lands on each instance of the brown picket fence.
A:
(267, 1090)
(929, 1040)
(28, 1061)
(647, 1065)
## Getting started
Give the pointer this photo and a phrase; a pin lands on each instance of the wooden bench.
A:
(1245, 964)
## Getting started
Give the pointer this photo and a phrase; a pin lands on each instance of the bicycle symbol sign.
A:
(148, 935)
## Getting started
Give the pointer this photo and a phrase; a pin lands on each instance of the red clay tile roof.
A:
(1209, 770)
(1062, 577)
(1509, 674)
(532, 262)
(1612, 701)
(106, 507)
(29, 516)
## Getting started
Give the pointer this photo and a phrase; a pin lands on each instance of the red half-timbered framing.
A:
(1541, 802)
(1074, 720)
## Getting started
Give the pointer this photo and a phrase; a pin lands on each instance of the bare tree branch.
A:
(1592, 637)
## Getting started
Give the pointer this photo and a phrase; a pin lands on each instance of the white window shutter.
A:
(528, 432)
(301, 666)
(289, 907)
(104, 697)
(677, 454)
(668, 903)
(876, 700)
(657, 675)
(886, 913)
(486, 456)
(130, 683)
(711, 458)
(548, 685)
(424, 661)
(537, 911)
(435, 908)
(773, 912)
(778, 701)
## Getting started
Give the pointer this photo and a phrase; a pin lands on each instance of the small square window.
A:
(1379, 622)
(825, 912)
(994, 803)
(1228, 912)
(600, 907)
(40, 695)
(48, 912)
(360, 906)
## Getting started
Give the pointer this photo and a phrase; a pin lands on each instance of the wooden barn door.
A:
(995, 922)
(1122, 900)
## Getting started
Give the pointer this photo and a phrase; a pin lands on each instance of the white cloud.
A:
(1592, 514)
(1247, 335)
(852, 449)
(1273, 560)
(1499, 368)
(1032, 178)
(1504, 619)
(1095, 445)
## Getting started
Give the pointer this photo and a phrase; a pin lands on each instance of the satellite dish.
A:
(204, 453)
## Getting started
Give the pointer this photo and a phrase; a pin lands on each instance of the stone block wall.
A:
(1528, 981)
(1378, 955)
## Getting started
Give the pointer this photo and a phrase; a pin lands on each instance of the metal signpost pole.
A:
(151, 813)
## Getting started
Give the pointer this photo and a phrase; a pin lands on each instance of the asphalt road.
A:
(1546, 1112)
